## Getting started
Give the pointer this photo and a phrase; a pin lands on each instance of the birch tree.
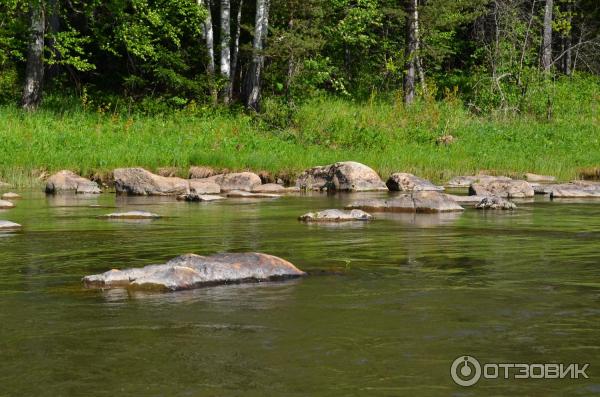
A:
(261, 26)
(226, 50)
(412, 46)
(236, 46)
(207, 31)
(34, 71)
(547, 37)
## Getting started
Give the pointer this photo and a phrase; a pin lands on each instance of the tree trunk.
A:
(568, 43)
(34, 71)
(547, 37)
(254, 73)
(207, 31)
(226, 50)
(412, 46)
(236, 47)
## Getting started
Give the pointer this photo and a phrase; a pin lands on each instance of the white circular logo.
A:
(465, 371)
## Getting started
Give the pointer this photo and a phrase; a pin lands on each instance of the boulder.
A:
(539, 178)
(344, 176)
(575, 189)
(138, 181)
(336, 216)
(246, 181)
(201, 172)
(495, 203)
(10, 196)
(200, 197)
(404, 182)
(7, 225)
(245, 194)
(6, 205)
(421, 202)
(275, 188)
(203, 186)
(466, 181)
(465, 199)
(132, 215)
(194, 271)
(68, 181)
(500, 188)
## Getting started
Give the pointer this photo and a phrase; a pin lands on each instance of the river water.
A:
(386, 309)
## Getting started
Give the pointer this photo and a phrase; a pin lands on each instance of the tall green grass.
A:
(380, 133)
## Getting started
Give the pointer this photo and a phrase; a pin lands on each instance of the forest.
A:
(448, 79)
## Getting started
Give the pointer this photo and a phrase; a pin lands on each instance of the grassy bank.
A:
(380, 133)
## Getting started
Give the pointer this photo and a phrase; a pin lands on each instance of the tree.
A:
(226, 50)
(207, 31)
(34, 71)
(547, 37)
(253, 79)
(412, 47)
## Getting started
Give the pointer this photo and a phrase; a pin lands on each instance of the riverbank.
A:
(435, 140)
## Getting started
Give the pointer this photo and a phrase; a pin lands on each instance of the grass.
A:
(380, 133)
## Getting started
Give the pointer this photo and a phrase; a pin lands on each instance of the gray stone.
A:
(405, 182)
(500, 188)
(245, 194)
(132, 215)
(466, 181)
(421, 202)
(342, 176)
(7, 225)
(68, 181)
(200, 197)
(246, 181)
(495, 203)
(6, 204)
(539, 178)
(138, 181)
(336, 216)
(10, 196)
(465, 199)
(203, 186)
(194, 271)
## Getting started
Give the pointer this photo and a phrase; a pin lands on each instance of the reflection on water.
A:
(388, 305)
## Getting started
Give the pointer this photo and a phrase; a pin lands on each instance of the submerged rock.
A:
(6, 204)
(421, 202)
(5, 225)
(194, 271)
(500, 188)
(245, 194)
(405, 182)
(200, 197)
(132, 215)
(68, 181)
(10, 196)
(495, 203)
(246, 181)
(203, 186)
(574, 189)
(465, 199)
(539, 178)
(336, 216)
(342, 176)
(138, 181)
(274, 188)
(466, 181)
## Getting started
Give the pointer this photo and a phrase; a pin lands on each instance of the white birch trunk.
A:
(260, 34)
(547, 37)
(226, 49)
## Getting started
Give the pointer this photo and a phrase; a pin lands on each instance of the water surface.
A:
(388, 306)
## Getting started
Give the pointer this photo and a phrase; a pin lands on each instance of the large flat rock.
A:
(6, 204)
(10, 196)
(574, 189)
(421, 202)
(68, 181)
(138, 181)
(500, 188)
(334, 215)
(194, 271)
(405, 182)
(8, 225)
(342, 176)
(132, 215)
(245, 181)
(466, 180)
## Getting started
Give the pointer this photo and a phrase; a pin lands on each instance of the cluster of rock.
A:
(194, 271)
(334, 215)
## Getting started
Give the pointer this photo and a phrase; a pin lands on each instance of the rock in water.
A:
(203, 186)
(421, 202)
(200, 197)
(405, 182)
(6, 204)
(539, 178)
(274, 188)
(344, 176)
(499, 188)
(7, 225)
(245, 181)
(495, 203)
(10, 196)
(245, 194)
(466, 181)
(132, 215)
(68, 181)
(574, 189)
(194, 271)
(138, 181)
(465, 199)
(336, 216)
